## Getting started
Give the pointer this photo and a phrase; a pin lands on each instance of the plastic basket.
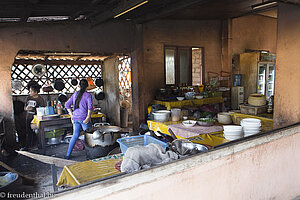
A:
(141, 140)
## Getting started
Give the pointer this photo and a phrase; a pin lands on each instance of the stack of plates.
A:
(250, 126)
(233, 132)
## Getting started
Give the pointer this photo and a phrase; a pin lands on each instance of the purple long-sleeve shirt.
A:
(85, 104)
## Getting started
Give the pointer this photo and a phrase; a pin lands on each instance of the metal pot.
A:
(175, 91)
(55, 140)
(62, 98)
(74, 82)
(59, 84)
(48, 88)
(102, 135)
(99, 82)
(163, 91)
(99, 95)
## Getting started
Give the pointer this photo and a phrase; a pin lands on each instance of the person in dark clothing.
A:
(33, 101)
(19, 116)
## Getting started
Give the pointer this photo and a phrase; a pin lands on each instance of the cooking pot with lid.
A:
(102, 135)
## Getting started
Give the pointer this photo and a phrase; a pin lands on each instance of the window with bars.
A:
(124, 73)
(23, 73)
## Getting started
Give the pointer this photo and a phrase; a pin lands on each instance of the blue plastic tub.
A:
(7, 178)
(140, 140)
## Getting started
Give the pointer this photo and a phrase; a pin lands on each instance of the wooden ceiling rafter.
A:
(122, 6)
(91, 9)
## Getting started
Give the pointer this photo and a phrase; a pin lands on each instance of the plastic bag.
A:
(79, 145)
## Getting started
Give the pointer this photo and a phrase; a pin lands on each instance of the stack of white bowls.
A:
(233, 132)
(250, 126)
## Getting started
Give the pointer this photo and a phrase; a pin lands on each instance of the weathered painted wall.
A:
(261, 168)
(254, 32)
(287, 75)
(156, 34)
(107, 38)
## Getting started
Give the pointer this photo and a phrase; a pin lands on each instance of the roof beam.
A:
(171, 8)
(90, 8)
(123, 6)
(26, 13)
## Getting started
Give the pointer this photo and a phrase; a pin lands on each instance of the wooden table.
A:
(53, 123)
(62, 122)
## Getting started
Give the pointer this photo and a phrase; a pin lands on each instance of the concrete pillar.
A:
(287, 74)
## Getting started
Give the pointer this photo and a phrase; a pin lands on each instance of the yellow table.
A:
(193, 102)
(83, 172)
(211, 139)
(266, 123)
(36, 120)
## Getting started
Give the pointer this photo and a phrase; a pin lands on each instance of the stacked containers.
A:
(250, 126)
(233, 132)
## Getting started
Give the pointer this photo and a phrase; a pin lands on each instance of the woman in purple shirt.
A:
(81, 114)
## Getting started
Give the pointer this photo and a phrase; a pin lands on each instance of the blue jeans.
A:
(77, 125)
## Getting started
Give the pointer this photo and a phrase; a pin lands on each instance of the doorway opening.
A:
(184, 65)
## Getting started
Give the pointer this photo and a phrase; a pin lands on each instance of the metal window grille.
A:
(124, 73)
(23, 72)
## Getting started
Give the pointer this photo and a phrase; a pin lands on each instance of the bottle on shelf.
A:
(59, 108)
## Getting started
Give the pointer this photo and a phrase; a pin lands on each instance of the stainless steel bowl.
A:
(53, 141)
(203, 122)
(186, 147)
(192, 147)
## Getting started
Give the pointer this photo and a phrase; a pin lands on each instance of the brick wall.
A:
(196, 66)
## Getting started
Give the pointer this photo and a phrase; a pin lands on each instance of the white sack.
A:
(143, 157)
